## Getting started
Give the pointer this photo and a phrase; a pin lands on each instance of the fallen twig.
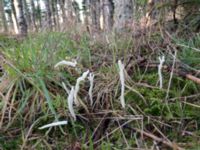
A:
(178, 72)
(172, 145)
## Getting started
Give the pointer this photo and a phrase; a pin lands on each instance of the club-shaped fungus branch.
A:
(65, 87)
(67, 63)
(162, 60)
(91, 79)
(53, 124)
(122, 80)
(77, 86)
(70, 100)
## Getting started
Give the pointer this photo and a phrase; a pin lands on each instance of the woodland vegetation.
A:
(99, 74)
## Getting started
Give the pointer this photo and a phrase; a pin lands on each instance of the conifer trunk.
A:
(123, 15)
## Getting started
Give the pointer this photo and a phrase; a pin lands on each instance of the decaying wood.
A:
(193, 78)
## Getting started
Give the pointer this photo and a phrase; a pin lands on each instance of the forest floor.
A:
(156, 116)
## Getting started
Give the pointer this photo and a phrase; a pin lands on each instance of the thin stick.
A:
(171, 76)
(155, 138)
(180, 73)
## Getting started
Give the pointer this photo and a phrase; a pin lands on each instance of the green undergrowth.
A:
(36, 97)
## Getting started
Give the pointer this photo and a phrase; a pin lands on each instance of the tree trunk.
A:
(39, 15)
(3, 17)
(108, 8)
(70, 12)
(95, 14)
(76, 11)
(62, 6)
(14, 17)
(53, 11)
(21, 19)
(33, 15)
(123, 15)
(11, 25)
(27, 14)
(57, 14)
(86, 12)
(48, 14)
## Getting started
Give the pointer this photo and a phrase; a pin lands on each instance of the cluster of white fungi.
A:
(73, 93)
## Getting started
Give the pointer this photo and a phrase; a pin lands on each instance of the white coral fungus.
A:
(65, 87)
(53, 124)
(122, 80)
(70, 100)
(77, 86)
(91, 79)
(68, 63)
(162, 60)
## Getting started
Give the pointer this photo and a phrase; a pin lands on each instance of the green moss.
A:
(10, 143)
